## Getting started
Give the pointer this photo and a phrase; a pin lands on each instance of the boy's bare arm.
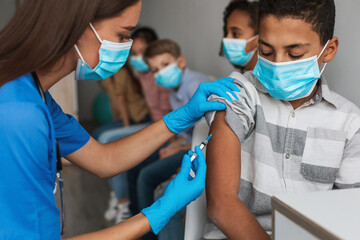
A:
(224, 207)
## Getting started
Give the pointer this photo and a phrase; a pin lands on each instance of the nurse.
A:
(45, 41)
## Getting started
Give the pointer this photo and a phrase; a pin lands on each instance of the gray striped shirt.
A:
(313, 148)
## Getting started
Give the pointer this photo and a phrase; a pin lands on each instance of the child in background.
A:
(169, 68)
(129, 108)
(240, 41)
(157, 97)
(288, 132)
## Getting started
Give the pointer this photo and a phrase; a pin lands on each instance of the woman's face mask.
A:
(112, 57)
(289, 81)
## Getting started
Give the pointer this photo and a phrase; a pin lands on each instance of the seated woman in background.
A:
(129, 109)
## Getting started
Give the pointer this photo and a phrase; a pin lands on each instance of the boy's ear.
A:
(181, 62)
(331, 50)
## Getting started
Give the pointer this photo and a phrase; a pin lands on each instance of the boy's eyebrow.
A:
(298, 45)
(295, 45)
(235, 28)
(265, 43)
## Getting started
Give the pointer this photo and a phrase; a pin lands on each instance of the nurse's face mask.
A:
(289, 81)
(234, 50)
(112, 57)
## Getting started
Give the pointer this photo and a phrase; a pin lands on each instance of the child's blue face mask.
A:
(289, 80)
(112, 57)
(139, 64)
(234, 50)
(169, 77)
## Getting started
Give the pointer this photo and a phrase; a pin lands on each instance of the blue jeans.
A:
(153, 175)
(109, 133)
(116, 125)
(120, 185)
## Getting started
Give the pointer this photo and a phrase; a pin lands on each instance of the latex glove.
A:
(179, 193)
(182, 118)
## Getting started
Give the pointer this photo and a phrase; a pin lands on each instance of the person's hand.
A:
(179, 193)
(172, 148)
(182, 118)
(169, 150)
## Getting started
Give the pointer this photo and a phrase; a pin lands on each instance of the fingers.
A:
(220, 90)
(190, 152)
(230, 84)
(201, 171)
(185, 167)
(213, 106)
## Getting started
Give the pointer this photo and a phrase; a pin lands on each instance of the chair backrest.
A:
(196, 211)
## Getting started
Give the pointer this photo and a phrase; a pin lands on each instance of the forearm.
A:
(133, 228)
(107, 160)
(234, 219)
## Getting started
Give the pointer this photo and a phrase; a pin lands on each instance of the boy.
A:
(168, 65)
(288, 132)
(157, 98)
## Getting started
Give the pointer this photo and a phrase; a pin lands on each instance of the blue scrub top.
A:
(28, 129)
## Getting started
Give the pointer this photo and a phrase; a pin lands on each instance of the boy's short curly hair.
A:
(319, 13)
(162, 46)
(251, 8)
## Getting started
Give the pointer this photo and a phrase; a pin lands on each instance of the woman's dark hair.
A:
(146, 33)
(42, 31)
(319, 13)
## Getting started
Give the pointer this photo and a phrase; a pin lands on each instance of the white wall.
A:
(7, 10)
(343, 73)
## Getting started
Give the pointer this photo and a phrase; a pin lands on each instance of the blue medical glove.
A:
(179, 193)
(182, 118)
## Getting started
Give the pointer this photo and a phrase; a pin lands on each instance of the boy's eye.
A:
(296, 56)
(236, 35)
(264, 53)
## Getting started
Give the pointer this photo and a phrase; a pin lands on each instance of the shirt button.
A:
(293, 114)
(287, 156)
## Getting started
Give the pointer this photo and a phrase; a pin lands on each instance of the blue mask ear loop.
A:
(322, 51)
(98, 37)
(58, 161)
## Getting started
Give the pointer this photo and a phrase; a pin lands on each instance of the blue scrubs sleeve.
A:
(70, 135)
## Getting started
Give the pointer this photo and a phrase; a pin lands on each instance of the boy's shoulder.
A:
(197, 76)
(343, 104)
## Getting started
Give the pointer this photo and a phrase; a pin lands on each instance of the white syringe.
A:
(194, 155)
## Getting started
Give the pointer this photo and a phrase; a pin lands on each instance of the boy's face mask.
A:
(289, 81)
(139, 64)
(169, 77)
(112, 57)
(234, 50)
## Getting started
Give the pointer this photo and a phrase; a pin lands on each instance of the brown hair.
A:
(162, 46)
(42, 31)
